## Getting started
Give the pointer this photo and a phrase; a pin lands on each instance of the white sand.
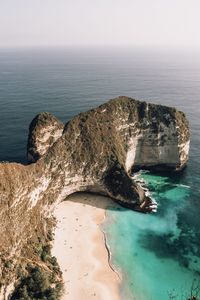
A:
(79, 246)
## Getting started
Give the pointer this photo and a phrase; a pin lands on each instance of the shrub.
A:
(37, 285)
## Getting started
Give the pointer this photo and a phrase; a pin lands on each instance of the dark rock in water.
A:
(96, 151)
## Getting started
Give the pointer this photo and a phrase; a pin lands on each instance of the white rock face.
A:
(39, 190)
(131, 155)
(45, 131)
(157, 142)
(184, 151)
(95, 152)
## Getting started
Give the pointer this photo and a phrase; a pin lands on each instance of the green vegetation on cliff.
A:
(37, 285)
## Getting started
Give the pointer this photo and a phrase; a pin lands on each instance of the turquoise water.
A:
(156, 253)
(153, 252)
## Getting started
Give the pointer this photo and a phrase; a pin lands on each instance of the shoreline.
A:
(110, 255)
(81, 248)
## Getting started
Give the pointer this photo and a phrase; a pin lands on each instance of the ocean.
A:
(157, 254)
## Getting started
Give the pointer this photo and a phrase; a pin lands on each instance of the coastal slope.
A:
(97, 151)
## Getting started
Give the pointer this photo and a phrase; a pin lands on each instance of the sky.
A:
(148, 23)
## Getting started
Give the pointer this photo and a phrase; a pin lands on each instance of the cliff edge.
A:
(97, 151)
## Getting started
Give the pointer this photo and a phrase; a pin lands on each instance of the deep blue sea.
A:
(157, 254)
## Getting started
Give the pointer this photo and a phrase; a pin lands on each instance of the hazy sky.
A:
(170, 23)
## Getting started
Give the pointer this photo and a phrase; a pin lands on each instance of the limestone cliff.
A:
(96, 151)
(44, 130)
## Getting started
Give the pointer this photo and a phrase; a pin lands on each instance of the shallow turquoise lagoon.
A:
(157, 254)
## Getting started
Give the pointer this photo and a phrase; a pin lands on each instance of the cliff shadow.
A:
(95, 200)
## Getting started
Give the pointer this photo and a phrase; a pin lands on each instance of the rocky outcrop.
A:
(44, 130)
(96, 151)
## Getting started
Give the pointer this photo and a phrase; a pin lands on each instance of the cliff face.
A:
(44, 130)
(96, 151)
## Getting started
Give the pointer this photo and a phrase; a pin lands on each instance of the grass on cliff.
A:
(41, 277)
(37, 285)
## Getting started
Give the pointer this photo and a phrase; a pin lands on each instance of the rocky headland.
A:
(97, 151)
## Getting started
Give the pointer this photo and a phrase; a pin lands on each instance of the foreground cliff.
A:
(96, 151)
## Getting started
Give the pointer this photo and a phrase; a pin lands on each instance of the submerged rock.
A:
(96, 151)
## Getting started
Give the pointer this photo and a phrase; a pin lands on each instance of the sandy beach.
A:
(80, 249)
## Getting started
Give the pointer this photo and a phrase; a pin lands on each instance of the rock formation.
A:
(96, 151)
(44, 130)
